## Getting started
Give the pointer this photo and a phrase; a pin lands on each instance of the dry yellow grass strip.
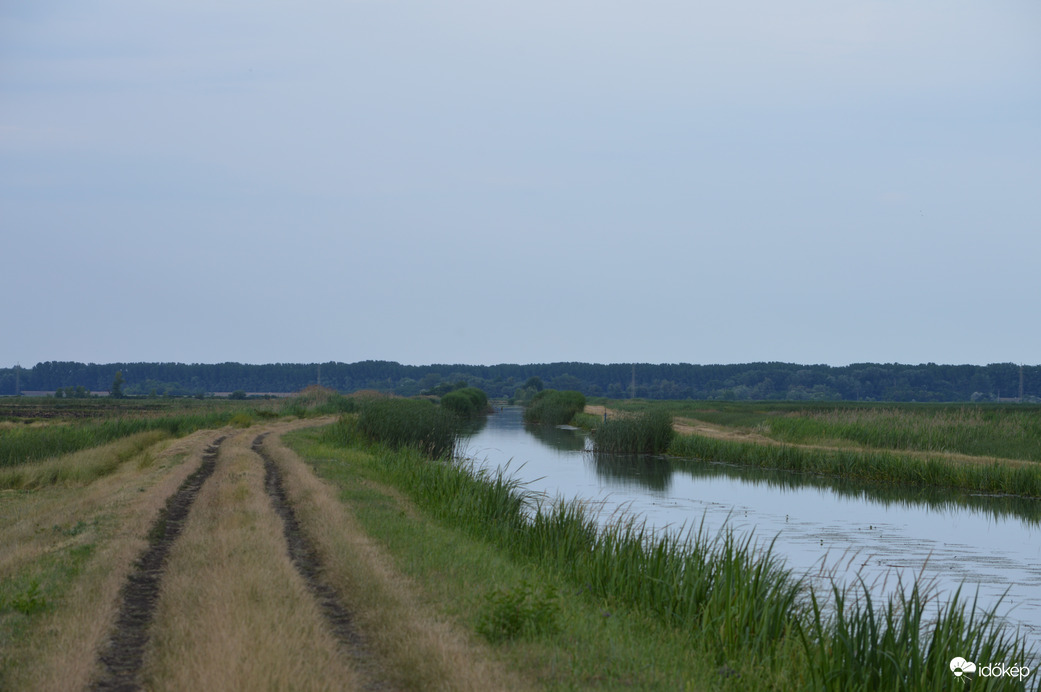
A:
(418, 649)
(233, 613)
(113, 514)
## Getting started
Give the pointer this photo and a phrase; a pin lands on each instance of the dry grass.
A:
(234, 614)
(419, 649)
(115, 512)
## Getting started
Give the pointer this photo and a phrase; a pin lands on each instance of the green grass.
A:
(888, 467)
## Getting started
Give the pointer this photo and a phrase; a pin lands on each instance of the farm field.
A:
(276, 545)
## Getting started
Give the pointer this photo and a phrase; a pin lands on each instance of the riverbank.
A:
(916, 445)
(576, 605)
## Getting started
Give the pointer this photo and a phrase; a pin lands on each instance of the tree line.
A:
(749, 381)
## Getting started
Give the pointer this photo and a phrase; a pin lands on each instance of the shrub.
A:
(523, 611)
(552, 407)
(468, 402)
(649, 433)
(409, 423)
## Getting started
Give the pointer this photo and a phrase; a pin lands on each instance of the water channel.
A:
(822, 527)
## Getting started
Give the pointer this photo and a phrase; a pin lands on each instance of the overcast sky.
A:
(807, 181)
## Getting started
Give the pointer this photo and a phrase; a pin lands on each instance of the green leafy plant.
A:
(523, 611)
(29, 601)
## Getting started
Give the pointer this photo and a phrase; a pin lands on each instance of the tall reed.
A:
(414, 423)
(891, 467)
(647, 433)
(552, 407)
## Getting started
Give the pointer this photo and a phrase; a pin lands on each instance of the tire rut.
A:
(121, 659)
(305, 559)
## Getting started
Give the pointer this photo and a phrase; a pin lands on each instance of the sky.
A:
(503, 182)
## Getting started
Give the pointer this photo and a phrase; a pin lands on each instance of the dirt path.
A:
(255, 575)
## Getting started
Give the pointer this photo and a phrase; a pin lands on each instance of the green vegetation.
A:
(889, 467)
(415, 423)
(1008, 431)
(699, 610)
(863, 648)
(28, 444)
(522, 611)
(468, 402)
(646, 433)
(552, 407)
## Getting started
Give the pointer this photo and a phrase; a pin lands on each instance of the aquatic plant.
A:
(414, 423)
(468, 402)
(646, 433)
(553, 407)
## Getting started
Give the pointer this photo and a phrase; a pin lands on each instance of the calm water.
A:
(820, 526)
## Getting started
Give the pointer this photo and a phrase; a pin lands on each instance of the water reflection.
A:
(650, 472)
(560, 439)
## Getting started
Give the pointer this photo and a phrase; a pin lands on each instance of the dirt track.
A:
(242, 570)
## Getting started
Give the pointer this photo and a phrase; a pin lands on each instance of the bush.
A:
(520, 612)
(649, 433)
(468, 402)
(409, 423)
(552, 407)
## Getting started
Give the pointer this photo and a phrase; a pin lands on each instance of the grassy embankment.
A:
(577, 606)
(988, 449)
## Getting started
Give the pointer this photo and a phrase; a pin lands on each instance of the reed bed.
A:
(854, 645)
(552, 407)
(1006, 432)
(889, 467)
(415, 423)
(646, 433)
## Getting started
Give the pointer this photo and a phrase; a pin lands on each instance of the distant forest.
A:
(774, 381)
